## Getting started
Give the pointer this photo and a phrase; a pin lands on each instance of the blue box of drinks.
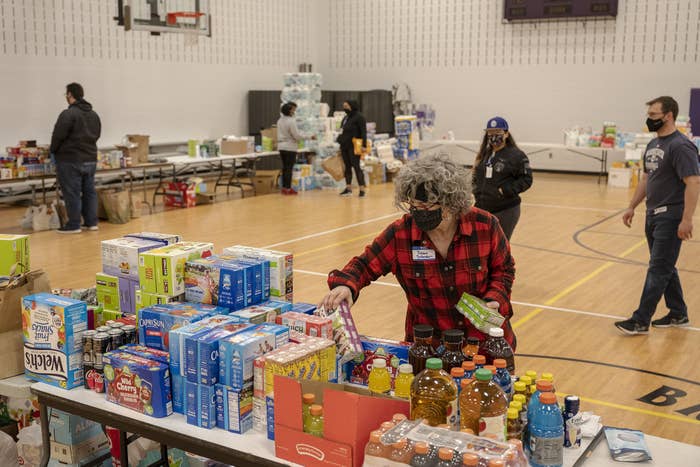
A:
(306, 308)
(178, 385)
(237, 354)
(279, 305)
(200, 408)
(234, 408)
(155, 322)
(281, 332)
(202, 353)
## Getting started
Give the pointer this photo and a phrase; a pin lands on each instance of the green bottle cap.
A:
(483, 374)
(435, 364)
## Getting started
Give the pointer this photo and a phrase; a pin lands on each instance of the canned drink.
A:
(572, 429)
(115, 325)
(98, 380)
(109, 322)
(88, 354)
(117, 336)
(88, 375)
(130, 334)
(101, 344)
(102, 329)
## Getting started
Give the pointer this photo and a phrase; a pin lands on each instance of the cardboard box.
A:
(107, 290)
(350, 415)
(281, 268)
(69, 429)
(77, 453)
(202, 353)
(214, 281)
(140, 155)
(234, 409)
(266, 181)
(269, 139)
(165, 239)
(120, 256)
(156, 322)
(145, 299)
(376, 171)
(127, 295)
(234, 147)
(237, 354)
(200, 408)
(162, 270)
(619, 177)
(14, 254)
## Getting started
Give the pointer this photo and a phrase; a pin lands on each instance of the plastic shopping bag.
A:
(30, 446)
(8, 450)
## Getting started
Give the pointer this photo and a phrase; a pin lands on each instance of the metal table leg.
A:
(45, 438)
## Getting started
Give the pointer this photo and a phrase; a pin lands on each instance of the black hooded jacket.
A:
(354, 126)
(75, 134)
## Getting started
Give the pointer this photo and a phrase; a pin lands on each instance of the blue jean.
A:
(77, 181)
(662, 276)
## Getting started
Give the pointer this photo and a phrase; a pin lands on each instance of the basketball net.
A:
(188, 23)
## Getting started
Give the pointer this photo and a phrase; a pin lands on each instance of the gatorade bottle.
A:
(307, 400)
(497, 347)
(492, 369)
(520, 389)
(469, 368)
(547, 433)
(379, 377)
(401, 452)
(375, 451)
(483, 407)
(445, 456)
(471, 348)
(453, 356)
(514, 428)
(470, 460)
(479, 361)
(540, 387)
(421, 456)
(434, 395)
(315, 425)
(402, 383)
(503, 378)
(422, 348)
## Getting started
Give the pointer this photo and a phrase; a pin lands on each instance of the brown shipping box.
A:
(265, 181)
(233, 148)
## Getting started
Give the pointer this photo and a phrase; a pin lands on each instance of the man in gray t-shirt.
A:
(671, 184)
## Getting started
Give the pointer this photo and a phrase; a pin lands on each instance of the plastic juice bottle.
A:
(541, 386)
(401, 451)
(491, 368)
(479, 361)
(516, 405)
(386, 426)
(483, 407)
(469, 368)
(547, 433)
(375, 449)
(379, 377)
(422, 456)
(315, 425)
(453, 356)
(398, 418)
(457, 374)
(402, 383)
(514, 429)
(503, 378)
(470, 459)
(497, 463)
(433, 394)
(446, 458)
(471, 348)
(497, 347)
(422, 348)
(520, 389)
(522, 400)
(307, 400)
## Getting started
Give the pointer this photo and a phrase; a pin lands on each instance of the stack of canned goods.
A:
(97, 343)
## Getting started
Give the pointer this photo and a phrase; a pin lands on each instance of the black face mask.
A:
(347, 111)
(654, 125)
(496, 140)
(425, 219)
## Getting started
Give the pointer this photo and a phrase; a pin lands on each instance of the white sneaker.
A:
(67, 231)
(92, 228)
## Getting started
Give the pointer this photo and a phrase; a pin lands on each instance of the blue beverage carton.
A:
(202, 352)
(281, 332)
(215, 281)
(205, 308)
(233, 286)
(306, 308)
(257, 314)
(200, 407)
(138, 383)
(234, 409)
(146, 352)
(71, 429)
(52, 329)
(237, 354)
(280, 305)
(261, 284)
(156, 322)
(179, 392)
(198, 328)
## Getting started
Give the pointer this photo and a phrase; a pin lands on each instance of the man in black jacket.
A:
(354, 127)
(74, 146)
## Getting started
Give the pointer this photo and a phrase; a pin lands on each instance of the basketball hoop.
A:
(188, 23)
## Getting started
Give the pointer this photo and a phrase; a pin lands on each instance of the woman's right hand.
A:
(335, 297)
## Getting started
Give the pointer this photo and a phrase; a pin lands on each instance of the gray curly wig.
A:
(444, 182)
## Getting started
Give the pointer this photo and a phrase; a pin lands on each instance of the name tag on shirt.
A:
(489, 171)
(660, 210)
(421, 253)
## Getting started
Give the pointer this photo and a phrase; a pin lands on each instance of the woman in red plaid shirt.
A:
(441, 248)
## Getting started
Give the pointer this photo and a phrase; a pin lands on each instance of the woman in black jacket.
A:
(501, 172)
(354, 126)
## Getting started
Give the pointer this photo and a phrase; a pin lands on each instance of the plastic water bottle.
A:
(469, 369)
(503, 378)
(547, 433)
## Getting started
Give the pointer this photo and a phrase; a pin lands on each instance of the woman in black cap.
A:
(354, 127)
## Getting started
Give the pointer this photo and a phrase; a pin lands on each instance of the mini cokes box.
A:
(53, 329)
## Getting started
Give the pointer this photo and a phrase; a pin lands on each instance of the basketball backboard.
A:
(158, 16)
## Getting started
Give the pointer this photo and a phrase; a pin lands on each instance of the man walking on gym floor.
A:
(670, 182)
(74, 145)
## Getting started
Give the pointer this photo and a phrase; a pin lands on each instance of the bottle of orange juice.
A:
(434, 395)
(483, 406)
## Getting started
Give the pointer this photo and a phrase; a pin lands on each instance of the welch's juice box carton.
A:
(53, 328)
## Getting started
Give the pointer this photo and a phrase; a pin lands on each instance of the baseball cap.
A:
(497, 123)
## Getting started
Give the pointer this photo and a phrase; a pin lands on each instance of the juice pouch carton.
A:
(179, 391)
(138, 383)
(146, 352)
(202, 353)
(145, 299)
(155, 324)
(120, 256)
(281, 268)
(257, 267)
(310, 325)
(280, 305)
(394, 352)
(234, 409)
(212, 280)
(257, 314)
(107, 291)
(162, 238)
(14, 254)
(211, 310)
(264, 263)
(281, 332)
(162, 270)
(200, 407)
(52, 329)
(193, 330)
(306, 308)
(237, 354)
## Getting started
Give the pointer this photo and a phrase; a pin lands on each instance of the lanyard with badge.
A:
(489, 165)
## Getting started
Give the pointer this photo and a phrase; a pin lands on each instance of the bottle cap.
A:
(316, 410)
(544, 385)
(466, 382)
(499, 363)
(496, 332)
(473, 341)
(422, 331)
(479, 360)
(533, 388)
(400, 444)
(517, 405)
(520, 387)
(468, 365)
(491, 368)
(421, 448)
(378, 363)
(513, 414)
(482, 374)
(308, 398)
(470, 459)
(548, 398)
(375, 436)
(520, 398)
(457, 372)
(433, 364)
(532, 374)
(453, 336)
(405, 368)
(445, 454)
(548, 377)
(526, 380)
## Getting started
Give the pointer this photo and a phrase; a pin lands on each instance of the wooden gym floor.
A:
(578, 270)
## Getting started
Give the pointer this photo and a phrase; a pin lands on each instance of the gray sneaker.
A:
(669, 321)
(632, 327)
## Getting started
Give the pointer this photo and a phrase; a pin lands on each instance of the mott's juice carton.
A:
(202, 353)
(107, 291)
(310, 325)
(178, 336)
(237, 354)
(120, 256)
(257, 314)
(145, 299)
(162, 238)
(200, 405)
(281, 268)
(215, 281)
(155, 323)
(14, 254)
(234, 409)
(53, 328)
(162, 270)
(138, 383)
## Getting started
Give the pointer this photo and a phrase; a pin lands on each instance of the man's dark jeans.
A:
(77, 181)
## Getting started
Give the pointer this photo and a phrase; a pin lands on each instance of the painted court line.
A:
(572, 208)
